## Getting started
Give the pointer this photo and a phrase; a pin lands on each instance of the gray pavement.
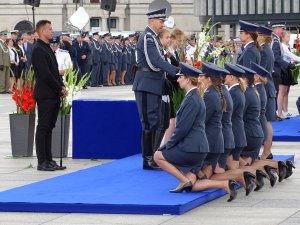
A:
(277, 205)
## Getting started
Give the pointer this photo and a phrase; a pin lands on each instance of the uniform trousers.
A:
(4, 79)
(47, 115)
(149, 108)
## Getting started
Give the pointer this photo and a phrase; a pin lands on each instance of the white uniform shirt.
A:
(63, 59)
(288, 56)
(190, 51)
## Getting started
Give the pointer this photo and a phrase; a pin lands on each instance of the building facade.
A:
(129, 14)
(228, 12)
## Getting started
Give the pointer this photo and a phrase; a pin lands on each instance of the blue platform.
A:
(287, 130)
(105, 129)
(119, 187)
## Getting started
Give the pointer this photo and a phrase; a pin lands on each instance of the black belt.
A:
(144, 69)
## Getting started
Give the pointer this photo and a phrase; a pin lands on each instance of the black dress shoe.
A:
(281, 171)
(186, 187)
(56, 166)
(233, 193)
(150, 165)
(45, 167)
(249, 181)
(272, 174)
(270, 156)
(289, 170)
(260, 175)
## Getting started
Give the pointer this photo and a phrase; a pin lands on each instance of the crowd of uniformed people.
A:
(110, 60)
(225, 115)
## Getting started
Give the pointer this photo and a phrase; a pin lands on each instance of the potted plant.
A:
(22, 123)
(60, 134)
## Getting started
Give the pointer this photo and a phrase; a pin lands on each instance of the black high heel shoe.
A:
(272, 174)
(281, 170)
(249, 177)
(260, 175)
(289, 170)
(233, 193)
(186, 187)
(270, 156)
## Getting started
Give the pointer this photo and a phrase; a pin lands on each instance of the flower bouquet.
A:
(205, 52)
(22, 123)
(22, 93)
(73, 86)
(60, 133)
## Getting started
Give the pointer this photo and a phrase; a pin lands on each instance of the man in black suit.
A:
(48, 90)
(27, 46)
(83, 51)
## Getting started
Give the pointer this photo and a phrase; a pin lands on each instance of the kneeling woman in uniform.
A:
(184, 154)
(253, 130)
(215, 105)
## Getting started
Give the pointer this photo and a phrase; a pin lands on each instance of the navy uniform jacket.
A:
(115, 58)
(263, 103)
(124, 58)
(128, 55)
(267, 61)
(189, 134)
(150, 57)
(132, 48)
(251, 113)
(106, 53)
(226, 121)
(213, 120)
(279, 64)
(248, 55)
(238, 99)
(119, 54)
(96, 52)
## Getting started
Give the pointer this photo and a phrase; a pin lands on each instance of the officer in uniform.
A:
(279, 64)
(128, 61)
(253, 130)
(106, 58)
(96, 58)
(250, 51)
(63, 57)
(4, 64)
(119, 54)
(132, 48)
(149, 82)
(190, 49)
(267, 61)
(238, 99)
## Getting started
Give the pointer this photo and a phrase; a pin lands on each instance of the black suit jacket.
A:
(83, 50)
(48, 81)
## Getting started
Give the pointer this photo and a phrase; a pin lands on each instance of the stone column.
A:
(103, 24)
(226, 32)
(121, 24)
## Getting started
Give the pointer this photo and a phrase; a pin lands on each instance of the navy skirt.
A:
(271, 109)
(184, 161)
(253, 147)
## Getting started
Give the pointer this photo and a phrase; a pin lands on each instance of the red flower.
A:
(22, 95)
(198, 65)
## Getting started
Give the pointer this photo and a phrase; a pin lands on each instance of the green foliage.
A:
(177, 97)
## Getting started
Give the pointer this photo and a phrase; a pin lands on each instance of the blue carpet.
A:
(287, 130)
(120, 187)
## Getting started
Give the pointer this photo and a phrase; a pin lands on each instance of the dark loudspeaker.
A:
(34, 3)
(108, 5)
